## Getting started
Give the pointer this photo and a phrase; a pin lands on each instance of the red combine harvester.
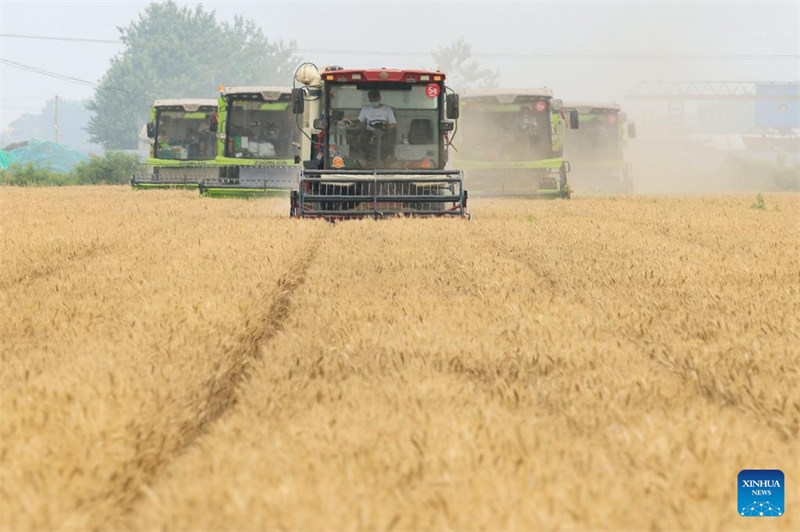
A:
(375, 144)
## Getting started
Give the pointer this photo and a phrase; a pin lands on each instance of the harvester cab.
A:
(596, 150)
(258, 143)
(512, 143)
(183, 145)
(375, 144)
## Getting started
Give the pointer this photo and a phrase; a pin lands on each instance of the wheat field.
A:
(171, 362)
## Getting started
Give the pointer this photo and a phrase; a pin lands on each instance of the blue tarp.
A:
(56, 157)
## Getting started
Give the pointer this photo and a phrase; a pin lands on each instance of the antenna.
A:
(55, 119)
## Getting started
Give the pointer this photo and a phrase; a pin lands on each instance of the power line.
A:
(477, 55)
(56, 75)
(52, 38)
(62, 77)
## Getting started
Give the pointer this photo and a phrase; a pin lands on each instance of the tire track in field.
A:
(703, 382)
(216, 397)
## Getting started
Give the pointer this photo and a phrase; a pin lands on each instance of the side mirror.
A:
(321, 124)
(451, 107)
(298, 101)
(446, 126)
(631, 130)
(574, 121)
(151, 130)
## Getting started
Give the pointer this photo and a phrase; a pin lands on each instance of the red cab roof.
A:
(383, 74)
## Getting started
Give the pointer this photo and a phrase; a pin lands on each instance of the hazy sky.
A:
(504, 36)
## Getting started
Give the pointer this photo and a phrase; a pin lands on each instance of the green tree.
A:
(463, 72)
(112, 168)
(179, 52)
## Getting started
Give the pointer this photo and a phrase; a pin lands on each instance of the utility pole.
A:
(55, 119)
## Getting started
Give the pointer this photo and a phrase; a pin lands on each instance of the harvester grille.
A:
(379, 193)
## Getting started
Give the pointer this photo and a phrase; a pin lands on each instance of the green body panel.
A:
(559, 128)
(222, 113)
(236, 161)
(181, 164)
(241, 192)
(274, 106)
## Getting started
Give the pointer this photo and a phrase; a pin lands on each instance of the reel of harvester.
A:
(344, 194)
(172, 184)
(254, 181)
(186, 176)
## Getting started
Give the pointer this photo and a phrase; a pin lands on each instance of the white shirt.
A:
(369, 113)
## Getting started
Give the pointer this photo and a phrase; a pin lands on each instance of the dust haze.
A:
(599, 51)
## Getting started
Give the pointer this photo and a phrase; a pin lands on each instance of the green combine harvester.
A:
(596, 150)
(512, 143)
(258, 144)
(183, 145)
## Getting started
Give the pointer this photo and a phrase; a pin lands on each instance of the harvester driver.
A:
(526, 121)
(375, 114)
(379, 136)
(525, 133)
